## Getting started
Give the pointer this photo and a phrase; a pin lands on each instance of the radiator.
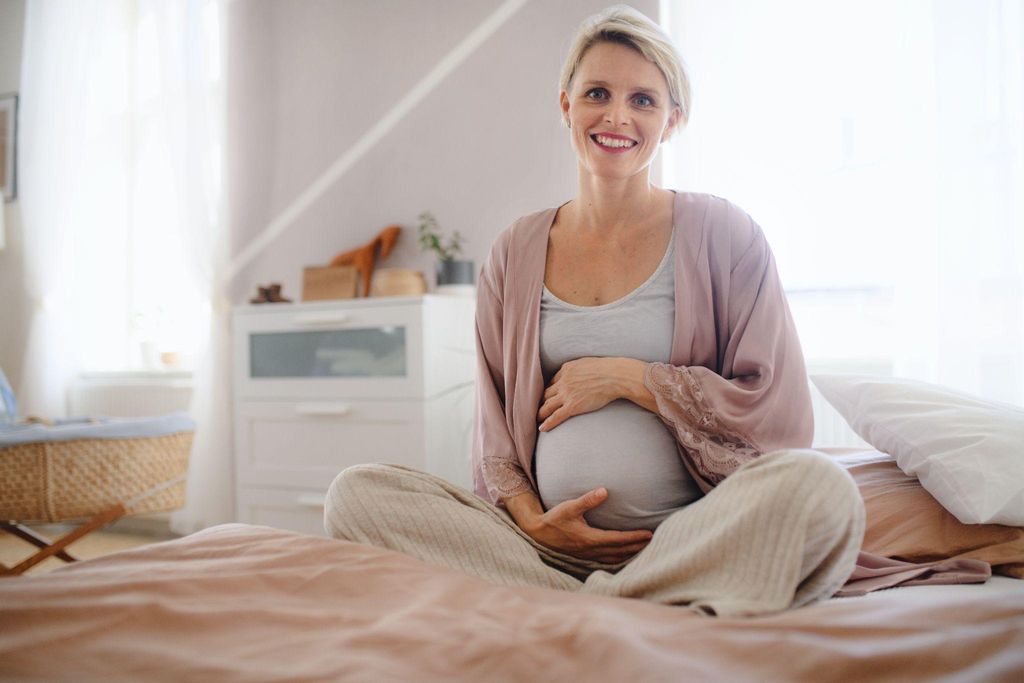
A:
(129, 394)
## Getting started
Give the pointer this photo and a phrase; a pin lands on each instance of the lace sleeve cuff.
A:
(715, 449)
(505, 478)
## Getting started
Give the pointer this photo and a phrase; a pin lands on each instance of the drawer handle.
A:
(311, 500)
(337, 409)
(313, 319)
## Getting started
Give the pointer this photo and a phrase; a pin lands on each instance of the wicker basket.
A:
(58, 481)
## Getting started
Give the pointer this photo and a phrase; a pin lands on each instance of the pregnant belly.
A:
(627, 450)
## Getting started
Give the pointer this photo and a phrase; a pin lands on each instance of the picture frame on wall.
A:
(9, 146)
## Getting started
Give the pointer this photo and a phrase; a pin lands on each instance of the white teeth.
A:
(614, 142)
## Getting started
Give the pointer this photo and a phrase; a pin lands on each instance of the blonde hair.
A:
(626, 26)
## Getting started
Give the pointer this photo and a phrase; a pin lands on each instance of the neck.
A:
(609, 205)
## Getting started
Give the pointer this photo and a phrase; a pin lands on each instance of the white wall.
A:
(14, 306)
(307, 79)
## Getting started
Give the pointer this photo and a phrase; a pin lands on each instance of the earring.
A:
(568, 124)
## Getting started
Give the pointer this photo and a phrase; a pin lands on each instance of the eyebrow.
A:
(643, 88)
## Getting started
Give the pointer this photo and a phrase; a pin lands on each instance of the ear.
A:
(563, 103)
(673, 121)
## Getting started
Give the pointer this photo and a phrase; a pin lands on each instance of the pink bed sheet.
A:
(250, 603)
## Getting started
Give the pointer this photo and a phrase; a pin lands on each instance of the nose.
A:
(617, 112)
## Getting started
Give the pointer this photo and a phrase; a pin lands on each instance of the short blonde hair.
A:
(624, 25)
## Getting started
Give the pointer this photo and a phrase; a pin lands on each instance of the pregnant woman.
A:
(643, 416)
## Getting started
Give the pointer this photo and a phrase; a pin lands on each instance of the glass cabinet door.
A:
(367, 351)
(361, 352)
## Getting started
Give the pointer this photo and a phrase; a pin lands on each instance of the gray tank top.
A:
(623, 447)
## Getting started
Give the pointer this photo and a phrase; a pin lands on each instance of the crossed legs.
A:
(782, 531)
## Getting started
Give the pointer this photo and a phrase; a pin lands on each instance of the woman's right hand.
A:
(563, 528)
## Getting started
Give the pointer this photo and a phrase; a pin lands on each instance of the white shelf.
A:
(311, 398)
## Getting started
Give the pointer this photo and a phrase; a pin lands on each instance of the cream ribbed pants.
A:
(782, 531)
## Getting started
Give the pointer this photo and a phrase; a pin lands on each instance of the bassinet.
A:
(88, 470)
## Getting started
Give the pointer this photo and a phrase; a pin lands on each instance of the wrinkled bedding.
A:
(249, 603)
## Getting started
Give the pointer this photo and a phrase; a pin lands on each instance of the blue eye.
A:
(641, 99)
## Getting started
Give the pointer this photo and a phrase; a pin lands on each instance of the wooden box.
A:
(321, 283)
(397, 282)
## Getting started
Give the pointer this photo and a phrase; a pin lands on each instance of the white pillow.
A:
(967, 452)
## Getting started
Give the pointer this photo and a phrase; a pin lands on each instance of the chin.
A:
(615, 174)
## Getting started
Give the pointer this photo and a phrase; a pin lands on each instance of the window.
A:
(879, 146)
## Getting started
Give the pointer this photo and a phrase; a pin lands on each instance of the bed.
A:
(254, 603)
(251, 603)
(239, 602)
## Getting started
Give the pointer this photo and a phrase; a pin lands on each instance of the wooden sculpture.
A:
(364, 258)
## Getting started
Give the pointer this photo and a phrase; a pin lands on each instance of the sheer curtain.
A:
(122, 206)
(75, 181)
(180, 98)
(880, 145)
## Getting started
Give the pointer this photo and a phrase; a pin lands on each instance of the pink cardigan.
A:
(736, 386)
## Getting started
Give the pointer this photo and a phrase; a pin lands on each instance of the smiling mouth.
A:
(613, 144)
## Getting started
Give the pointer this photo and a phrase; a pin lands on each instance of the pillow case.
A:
(966, 451)
(905, 522)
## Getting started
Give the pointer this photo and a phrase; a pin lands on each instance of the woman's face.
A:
(617, 90)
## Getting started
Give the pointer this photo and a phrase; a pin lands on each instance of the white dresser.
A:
(322, 386)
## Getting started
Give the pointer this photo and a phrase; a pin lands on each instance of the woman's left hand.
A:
(580, 386)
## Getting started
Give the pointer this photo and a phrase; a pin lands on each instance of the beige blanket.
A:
(249, 603)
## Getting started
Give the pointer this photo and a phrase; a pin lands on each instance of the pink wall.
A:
(306, 79)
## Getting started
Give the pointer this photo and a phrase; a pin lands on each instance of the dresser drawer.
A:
(358, 351)
(305, 444)
(301, 511)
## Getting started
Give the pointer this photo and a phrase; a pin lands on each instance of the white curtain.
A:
(122, 205)
(180, 59)
(75, 181)
(880, 145)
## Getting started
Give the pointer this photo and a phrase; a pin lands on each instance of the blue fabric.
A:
(8, 404)
(106, 428)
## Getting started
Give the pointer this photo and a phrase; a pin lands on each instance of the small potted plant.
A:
(450, 270)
